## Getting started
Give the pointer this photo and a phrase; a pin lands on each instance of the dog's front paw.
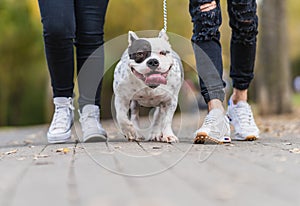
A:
(131, 134)
(156, 136)
(170, 139)
(160, 137)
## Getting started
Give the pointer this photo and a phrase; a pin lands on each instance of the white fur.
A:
(130, 92)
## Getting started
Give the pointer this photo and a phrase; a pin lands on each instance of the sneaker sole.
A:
(203, 138)
(95, 138)
(248, 138)
(251, 138)
(60, 138)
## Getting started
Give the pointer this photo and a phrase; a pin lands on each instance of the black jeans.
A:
(67, 23)
(206, 36)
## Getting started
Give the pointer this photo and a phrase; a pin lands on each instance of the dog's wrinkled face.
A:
(150, 58)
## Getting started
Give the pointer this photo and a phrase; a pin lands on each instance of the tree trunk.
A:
(273, 85)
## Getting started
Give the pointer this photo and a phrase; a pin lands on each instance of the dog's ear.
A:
(132, 37)
(163, 34)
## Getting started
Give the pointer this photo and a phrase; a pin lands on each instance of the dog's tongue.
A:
(154, 79)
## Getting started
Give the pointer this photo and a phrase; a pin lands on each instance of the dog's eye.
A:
(139, 54)
(164, 53)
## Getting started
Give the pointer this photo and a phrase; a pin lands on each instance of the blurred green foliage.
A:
(293, 12)
(140, 15)
(24, 79)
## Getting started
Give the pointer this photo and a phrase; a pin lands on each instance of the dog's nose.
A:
(153, 63)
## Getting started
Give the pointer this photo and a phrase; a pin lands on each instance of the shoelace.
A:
(245, 116)
(209, 120)
(61, 115)
(88, 118)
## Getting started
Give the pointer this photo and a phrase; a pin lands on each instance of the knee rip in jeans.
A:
(208, 6)
(208, 20)
(244, 21)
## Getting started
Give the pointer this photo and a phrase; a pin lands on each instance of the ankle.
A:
(239, 95)
(215, 104)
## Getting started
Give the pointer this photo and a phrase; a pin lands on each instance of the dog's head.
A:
(150, 58)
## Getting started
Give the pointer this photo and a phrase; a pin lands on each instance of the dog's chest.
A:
(148, 97)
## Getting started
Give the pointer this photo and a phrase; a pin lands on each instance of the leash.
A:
(165, 12)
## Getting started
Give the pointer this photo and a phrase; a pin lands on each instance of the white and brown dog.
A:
(149, 74)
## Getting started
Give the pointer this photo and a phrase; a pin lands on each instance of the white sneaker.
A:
(241, 118)
(215, 128)
(62, 121)
(92, 130)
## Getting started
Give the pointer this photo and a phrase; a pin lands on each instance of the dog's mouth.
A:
(152, 79)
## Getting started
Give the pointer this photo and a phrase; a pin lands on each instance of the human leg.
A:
(90, 16)
(206, 17)
(244, 23)
(58, 31)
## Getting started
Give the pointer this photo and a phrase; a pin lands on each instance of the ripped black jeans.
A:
(206, 42)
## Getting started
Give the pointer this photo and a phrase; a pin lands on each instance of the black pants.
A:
(206, 36)
(74, 22)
